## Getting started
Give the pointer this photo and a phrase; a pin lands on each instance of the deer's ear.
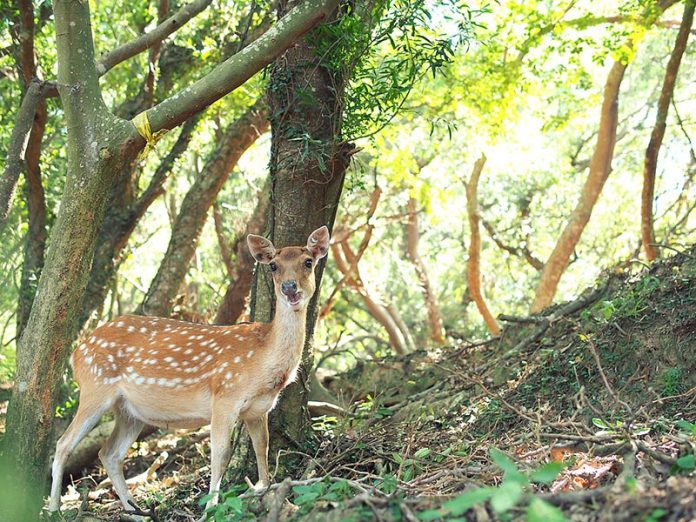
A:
(261, 248)
(318, 242)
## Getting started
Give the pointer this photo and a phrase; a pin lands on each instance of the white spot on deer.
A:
(168, 359)
(110, 358)
(188, 351)
(237, 359)
(140, 380)
(131, 329)
(175, 364)
(151, 380)
(143, 330)
(250, 354)
(228, 375)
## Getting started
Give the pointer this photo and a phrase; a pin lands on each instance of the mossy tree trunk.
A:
(308, 164)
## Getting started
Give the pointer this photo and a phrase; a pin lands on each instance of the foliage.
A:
(513, 490)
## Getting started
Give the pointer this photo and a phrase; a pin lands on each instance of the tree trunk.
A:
(35, 239)
(193, 214)
(651, 154)
(437, 331)
(600, 167)
(242, 274)
(474, 263)
(308, 164)
(385, 314)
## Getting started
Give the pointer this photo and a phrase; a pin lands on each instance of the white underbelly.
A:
(167, 407)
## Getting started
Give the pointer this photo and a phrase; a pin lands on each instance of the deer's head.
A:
(292, 267)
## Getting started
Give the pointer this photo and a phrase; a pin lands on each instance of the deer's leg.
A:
(223, 420)
(88, 414)
(126, 431)
(258, 431)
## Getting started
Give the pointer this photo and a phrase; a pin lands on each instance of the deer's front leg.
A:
(258, 431)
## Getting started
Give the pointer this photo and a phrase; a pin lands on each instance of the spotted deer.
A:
(167, 373)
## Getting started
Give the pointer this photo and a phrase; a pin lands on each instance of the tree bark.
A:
(435, 327)
(35, 239)
(192, 216)
(308, 164)
(474, 263)
(652, 152)
(98, 144)
(242, 274)
(17, 147)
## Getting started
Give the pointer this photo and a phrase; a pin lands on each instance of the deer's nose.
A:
(288, 287)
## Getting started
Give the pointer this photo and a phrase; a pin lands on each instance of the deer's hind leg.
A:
(126, 431)
(89, 411)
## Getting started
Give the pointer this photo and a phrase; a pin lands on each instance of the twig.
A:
(668, 247)
(137, 511)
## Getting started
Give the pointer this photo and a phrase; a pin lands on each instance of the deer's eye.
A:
(273, 266)
(308, 263)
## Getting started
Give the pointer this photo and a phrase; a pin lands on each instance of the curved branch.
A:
(474, 264)
(15, 151)
(157, 35)
(237, 69)
(651, 154)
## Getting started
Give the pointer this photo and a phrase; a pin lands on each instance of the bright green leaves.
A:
(513, 491)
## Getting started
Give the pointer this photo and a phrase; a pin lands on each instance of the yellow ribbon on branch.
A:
(142, 125)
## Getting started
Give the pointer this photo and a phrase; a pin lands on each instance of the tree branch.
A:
(15, 151)
(234, 71)
(474, 264)
(156, 36)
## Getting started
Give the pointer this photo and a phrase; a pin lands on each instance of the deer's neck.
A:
(288, 330)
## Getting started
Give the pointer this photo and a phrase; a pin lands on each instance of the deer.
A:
(169, 373)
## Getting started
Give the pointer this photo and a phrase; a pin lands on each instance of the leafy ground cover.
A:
(587, 412)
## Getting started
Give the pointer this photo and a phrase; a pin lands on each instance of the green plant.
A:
(672, 381)
(231, 507)
(515, 489)
(306, 496)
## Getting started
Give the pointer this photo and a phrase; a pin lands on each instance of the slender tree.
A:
(435, 327)
(237, 138)
(647, 227)
(242, 273)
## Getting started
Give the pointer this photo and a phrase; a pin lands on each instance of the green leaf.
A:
(506, 496)
(422, 453)
(467, 500)
(541, 511)
(601, 424)
(547, 473)
(687, 462)
(503, 461)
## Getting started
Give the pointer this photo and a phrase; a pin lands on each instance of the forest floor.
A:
(587, 412)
